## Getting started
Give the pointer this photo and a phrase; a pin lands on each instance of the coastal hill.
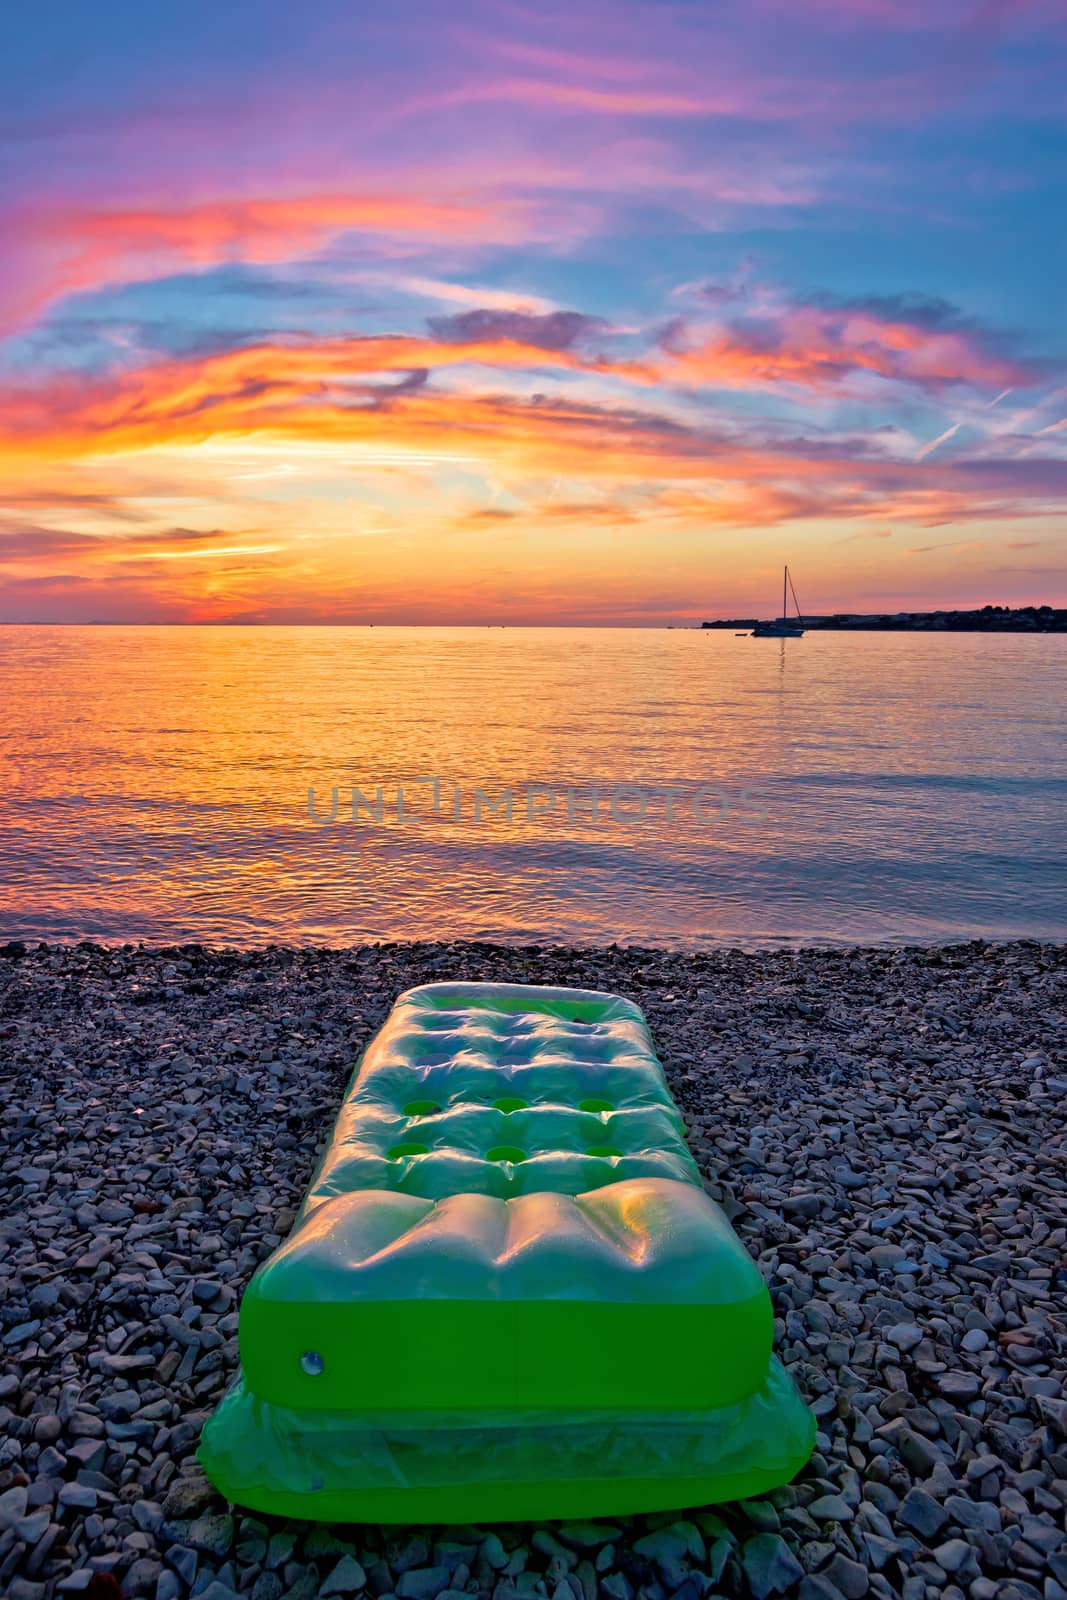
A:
(989, 619)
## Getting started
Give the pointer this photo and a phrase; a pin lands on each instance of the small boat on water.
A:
(785, 626)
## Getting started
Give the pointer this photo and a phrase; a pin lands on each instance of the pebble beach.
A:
(886, 1129)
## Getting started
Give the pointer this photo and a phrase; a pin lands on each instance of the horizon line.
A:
(678, 626)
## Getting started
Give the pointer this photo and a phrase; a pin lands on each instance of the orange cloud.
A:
(293, 387)
(375, 395)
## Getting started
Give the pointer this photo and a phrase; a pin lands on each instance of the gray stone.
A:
(79, 1496)
(411, 1551)
(493, 1553)
(918, 1453)
(31, 1527)
(422, 1583)
(905, 1335)
(47, 1428)
(184, 1561)
(379, 1578)
(663, 1544)
(212, 1534)
(142, 1576)
(922, 1513)
(953, 1554)
(12, 1506)
(279, 1549)
(147, 1515)
(347, 1577)
(958, 1386)
(818, 1587)
(89, 1454)
(588, 1535)
(848, 1577)
(830, 1508)
(187, 1495)
(762, 1514)
(769, 1565)
(886, 1255)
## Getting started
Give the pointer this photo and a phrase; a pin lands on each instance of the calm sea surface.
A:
(154, 785)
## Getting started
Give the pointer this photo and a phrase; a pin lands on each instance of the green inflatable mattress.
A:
(506, 1295)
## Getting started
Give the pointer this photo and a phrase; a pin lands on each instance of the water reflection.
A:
(155, 785)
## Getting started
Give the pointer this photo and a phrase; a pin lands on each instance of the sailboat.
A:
(783, 627)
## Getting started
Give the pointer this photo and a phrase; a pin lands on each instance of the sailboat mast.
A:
(785, 576)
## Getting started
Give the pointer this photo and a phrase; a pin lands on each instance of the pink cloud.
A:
(55, 251)
(826, 347)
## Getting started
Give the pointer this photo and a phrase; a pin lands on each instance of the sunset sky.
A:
(568, 312)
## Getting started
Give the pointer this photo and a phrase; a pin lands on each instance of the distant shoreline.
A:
(989, 619)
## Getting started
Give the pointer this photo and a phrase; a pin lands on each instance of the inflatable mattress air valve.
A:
(506, 1295)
